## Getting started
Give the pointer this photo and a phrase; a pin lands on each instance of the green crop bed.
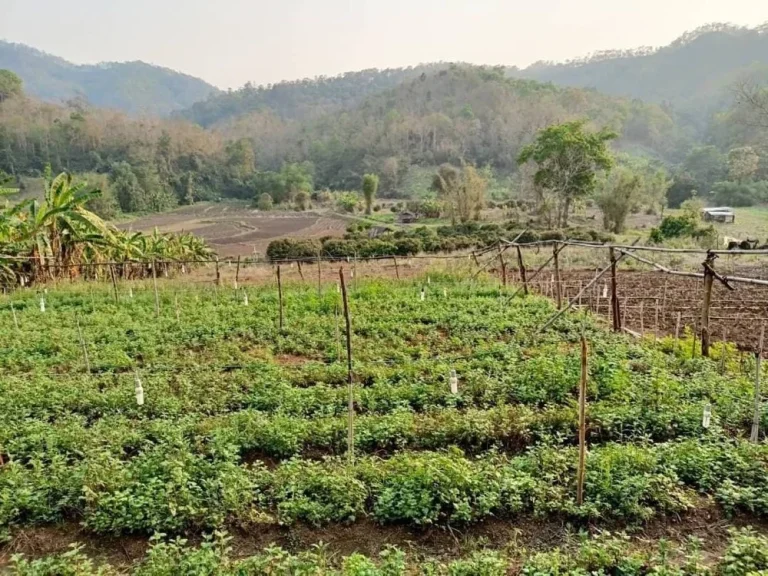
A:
(245, 426)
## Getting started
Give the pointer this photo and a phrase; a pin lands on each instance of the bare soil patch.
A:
(235, 229)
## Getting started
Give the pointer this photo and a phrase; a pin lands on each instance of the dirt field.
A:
(235, 229)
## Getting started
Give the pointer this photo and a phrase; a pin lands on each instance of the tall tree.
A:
(462, 191)
(742, 163)
(568, 159)
(10, 84)
(370, 187)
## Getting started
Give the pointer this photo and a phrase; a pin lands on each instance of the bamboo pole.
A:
(114, 283)
(280, 299)
(754, 436)
(706, 300)
(154, 284)
(350, 374)
(83, 346)
(615, 312)
(521, 265)
(558, 289)
(15, 319)
(503, 267)
(582, 424)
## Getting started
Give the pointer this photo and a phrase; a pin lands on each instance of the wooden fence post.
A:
(237, 272)
(154, 285)
(503, 267)
(642, 316)
(582, 424)
(319, 276)
(397, 268)
(724, 350)
(218, 273)
(350, 375)
(558, 289)
(83, 345)
(280, 298)
(301, 273)
(114, 283)
(758, 362)
(521, 265)
(656, 319)
(616, 313)
(677, 328)
(709, 278)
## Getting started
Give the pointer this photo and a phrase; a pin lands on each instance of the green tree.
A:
(370, 187)
(265, 202)
(705, 165)
(742, 163)
(568, 159)
(462, 191)
(301, 199)
(620, 195)
(10, 85)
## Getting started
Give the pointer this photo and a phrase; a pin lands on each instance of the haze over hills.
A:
(133, 87)
(692, 75)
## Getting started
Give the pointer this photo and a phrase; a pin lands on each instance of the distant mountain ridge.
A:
(133, 87)
(691, 75)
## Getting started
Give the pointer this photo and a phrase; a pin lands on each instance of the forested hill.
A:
(132, 87)
(693, 74)
(301, 99)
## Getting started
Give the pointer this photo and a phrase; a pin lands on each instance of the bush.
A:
(289, 249)
(265, 202)
(317, 492)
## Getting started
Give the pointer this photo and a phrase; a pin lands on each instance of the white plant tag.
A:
(707, 416)
(351, 273)
(445, 293)
(130, 292)
(429, 280)
(42, 304)
(605, 291)
(454, 382)
(139, 391)
(245, 298)
(423, 295)
(23, 281)
(235, 284)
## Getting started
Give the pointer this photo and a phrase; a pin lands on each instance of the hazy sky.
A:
(229, 42)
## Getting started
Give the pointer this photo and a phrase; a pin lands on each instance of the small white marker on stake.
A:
(42, 304)
(139, 390)
(352, 273)
(245, 298)
(429, 280)
(45, 290)
(23, 280)
(453, 380)
(130, 292)
(605, 290)
(423, 295)
(707, 416)
(445, 293)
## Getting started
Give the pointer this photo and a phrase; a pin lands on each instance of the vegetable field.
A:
(192, 435)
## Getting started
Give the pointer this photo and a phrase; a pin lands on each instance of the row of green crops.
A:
(746, 553)
(168, 488)
(226, 391)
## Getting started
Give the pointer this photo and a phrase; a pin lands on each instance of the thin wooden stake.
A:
(338, 336)
(706, 300)
(15, 319)
(558, 289)
(521, 265)
(656, 320)
(300, 271)
(319, 277)
(280, 298)
(642, 318)
(693, 346)
(237, 273)
(582, 424)
(114, 283)
(503, 266)
(615, 312)
(176, 305)
(154, 283)
(677, 327)
(83, 345)
(397, 268)
(350, 374)
(218, 273)
(758, 362)
(724, 350)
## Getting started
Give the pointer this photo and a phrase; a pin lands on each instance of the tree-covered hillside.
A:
(692, 76)
(306, 98)
(132, 87)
